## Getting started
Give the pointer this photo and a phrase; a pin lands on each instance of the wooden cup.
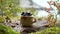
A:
(27, 21)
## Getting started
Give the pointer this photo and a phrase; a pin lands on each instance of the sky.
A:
(42, 3)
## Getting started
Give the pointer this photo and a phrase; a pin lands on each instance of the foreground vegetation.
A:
(51, 30)
(7, 30)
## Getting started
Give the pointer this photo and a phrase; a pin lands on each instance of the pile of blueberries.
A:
(26, 14)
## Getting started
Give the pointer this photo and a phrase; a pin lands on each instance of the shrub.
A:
(51, 30)
(7, 30)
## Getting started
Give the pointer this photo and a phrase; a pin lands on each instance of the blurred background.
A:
(45, 11)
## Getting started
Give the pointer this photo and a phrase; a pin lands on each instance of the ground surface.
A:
(39, 25)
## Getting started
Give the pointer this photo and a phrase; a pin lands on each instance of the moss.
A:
(51, 30)
(7, 30)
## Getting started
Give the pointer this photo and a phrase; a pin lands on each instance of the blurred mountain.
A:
(30, 4)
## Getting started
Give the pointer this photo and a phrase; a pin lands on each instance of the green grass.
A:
(51, 30)
(7, 30)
